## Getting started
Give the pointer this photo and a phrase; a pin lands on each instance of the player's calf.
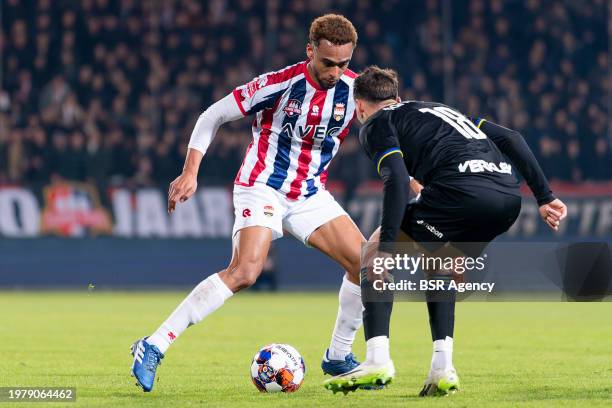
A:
(204, 299)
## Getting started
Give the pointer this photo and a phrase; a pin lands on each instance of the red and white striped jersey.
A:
(297, 130)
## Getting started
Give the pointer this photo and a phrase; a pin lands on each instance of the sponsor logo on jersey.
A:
(269, 210)
(430, 228)
(339, 110)
(480, 166)
(254, 86)
(318, 131)
(315, 111)
(293, 107)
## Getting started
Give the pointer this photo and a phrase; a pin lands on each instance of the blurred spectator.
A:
(109, 90)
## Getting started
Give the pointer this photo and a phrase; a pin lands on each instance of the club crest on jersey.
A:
(339, 110)
(269, 210)
(293, 107)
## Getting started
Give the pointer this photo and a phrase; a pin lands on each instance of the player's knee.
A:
(245, 274)
(375, 237)
(354, 269)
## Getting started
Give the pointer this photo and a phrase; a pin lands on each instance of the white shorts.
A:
(264, 206)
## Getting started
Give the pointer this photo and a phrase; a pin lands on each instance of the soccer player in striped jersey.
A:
(302, 113)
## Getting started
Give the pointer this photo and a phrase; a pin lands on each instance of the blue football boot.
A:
(337, 367)
(146, 359)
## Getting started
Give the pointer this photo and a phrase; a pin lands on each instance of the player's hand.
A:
(553, 212)
(376, 266)
(181, 189)
(415, 186)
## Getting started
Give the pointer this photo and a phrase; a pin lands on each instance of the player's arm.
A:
(205, 129)
(395, 193)
(379, 141)
(513, 145)
(259, 94)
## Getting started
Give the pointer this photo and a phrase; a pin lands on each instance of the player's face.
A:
(329, 61)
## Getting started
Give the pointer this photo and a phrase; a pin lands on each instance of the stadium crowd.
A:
(109, 91)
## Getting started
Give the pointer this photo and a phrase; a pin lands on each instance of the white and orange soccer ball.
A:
(278, 368)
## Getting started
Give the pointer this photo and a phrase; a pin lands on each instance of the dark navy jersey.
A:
(444, 149)
(439, 146)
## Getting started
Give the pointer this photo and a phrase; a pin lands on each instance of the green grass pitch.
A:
(507, 354)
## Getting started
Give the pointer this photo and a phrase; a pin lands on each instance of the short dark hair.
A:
(334, 28)
(376, 84)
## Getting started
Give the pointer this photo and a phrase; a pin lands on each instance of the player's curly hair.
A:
(335, 28)
(376, 84)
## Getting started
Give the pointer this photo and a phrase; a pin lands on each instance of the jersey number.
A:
(462, 124)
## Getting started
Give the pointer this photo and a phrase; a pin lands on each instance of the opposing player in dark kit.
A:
(471, 194)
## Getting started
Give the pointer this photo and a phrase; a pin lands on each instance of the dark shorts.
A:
(460, 214)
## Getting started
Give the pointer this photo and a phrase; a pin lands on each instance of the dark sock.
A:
(377, 310)
(376, 317)
(441, 308)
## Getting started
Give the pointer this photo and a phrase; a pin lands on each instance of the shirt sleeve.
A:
(513, 145)
(382, 146)
(396, 193)
(379, 141)
(222, 111)
(261, 93)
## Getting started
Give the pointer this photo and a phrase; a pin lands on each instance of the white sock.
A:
(442, 358)
(377, 352)
(350, 317)
(204, 299)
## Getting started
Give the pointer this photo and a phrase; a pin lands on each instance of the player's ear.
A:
(398, 99)
(309, 51)
(360, 110)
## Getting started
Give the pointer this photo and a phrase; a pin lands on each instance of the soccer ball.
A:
(278, 367)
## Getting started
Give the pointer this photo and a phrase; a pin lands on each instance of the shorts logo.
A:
(246, 213)
(430, 228)
(339, 110)
(269, 210)
(293, 107)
